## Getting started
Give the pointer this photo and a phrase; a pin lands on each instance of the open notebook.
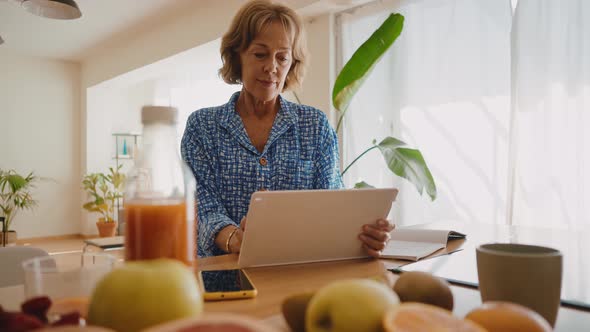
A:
(414, 244)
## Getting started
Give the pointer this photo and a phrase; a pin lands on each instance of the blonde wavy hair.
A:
(245, 26)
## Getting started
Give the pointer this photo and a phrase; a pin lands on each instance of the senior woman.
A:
(258, 140)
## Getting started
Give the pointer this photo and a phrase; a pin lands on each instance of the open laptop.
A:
(301, 226)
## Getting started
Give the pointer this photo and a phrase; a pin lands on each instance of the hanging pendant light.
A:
(58, 9)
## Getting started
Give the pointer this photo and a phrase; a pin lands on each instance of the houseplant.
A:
(403, 161)
(104, 190)
(15, 195)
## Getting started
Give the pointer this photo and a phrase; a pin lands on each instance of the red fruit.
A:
(3, 316)
(37, 306)
(18, 322)
(71, 318)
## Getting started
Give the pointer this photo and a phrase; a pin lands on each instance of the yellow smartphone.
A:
(226, 285)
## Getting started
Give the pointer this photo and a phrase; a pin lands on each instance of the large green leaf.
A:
(409, 164)
(358, 68)
(91, 206)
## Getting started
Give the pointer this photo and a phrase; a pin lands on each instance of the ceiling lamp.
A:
(58, 9)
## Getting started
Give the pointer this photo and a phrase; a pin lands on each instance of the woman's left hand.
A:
(375, 236)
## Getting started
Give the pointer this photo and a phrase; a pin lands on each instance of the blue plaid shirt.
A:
(301, 153)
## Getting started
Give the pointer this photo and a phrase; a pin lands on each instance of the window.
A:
(444, 88)
(496, 102)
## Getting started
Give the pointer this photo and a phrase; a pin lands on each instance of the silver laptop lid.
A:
(300, 226)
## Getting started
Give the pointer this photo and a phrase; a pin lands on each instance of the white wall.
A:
(39, 131)
(109, 111)
(112, 111)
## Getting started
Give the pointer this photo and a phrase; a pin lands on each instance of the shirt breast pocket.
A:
(291, 174)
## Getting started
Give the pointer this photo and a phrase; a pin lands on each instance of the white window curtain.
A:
(444, 88)
(497, 104)
(550, 154)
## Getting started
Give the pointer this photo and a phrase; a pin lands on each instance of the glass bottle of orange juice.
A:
(160, 194)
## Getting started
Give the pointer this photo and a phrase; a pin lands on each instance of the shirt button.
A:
(263, 161)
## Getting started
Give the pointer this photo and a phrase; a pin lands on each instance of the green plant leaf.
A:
(105, 190)
(89, 205)
(409, 164)
(15, 193)
(360, 65)
(362, 184)
(103, 207)
(16, 182)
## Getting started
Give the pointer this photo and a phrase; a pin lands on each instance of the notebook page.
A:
(410, 250)
(420, 235)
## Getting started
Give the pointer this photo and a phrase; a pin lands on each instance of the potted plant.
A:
(400, 159)
(104, 190)
(403, 161)
(15, 195)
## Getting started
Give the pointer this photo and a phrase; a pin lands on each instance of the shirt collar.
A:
(231, 120)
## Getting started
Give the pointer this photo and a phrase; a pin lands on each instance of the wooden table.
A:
(574, 245)
(105, 243)
(276, 283)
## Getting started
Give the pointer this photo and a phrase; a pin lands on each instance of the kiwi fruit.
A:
(423, 287)
(293, 309)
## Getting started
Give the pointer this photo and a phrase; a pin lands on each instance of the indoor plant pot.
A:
(10, 238)
(106, 228)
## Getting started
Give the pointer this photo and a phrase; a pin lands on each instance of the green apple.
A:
(144, 293)
(350, 305)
